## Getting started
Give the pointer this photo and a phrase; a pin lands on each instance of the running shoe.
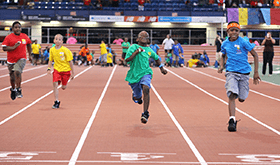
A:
(144, 117)
(13, 93)
(232, 125)
(56, 105)
(137, 101)
(19, 94)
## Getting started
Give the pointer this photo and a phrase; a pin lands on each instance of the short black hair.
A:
(16, 22)
(232, 22)
(244, 33)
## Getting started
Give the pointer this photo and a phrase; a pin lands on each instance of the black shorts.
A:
(168, 50)
(123, 55)
(36, 56)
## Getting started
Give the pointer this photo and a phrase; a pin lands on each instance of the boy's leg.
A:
(12, 81)
(231, 104)
(146, 97)
(55, 90)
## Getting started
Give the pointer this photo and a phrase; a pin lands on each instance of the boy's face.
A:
(58, 40)
(143, 37)
(233, 33)
(17, 29)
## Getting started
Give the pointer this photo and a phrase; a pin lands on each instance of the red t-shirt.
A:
(20, 52)
(87, 2)
(141, 2)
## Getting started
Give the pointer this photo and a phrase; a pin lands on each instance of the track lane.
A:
(204, 119)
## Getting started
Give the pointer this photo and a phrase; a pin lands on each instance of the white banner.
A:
(108, 18)
(209, 19)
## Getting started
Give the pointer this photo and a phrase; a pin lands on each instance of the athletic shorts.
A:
(103, 58)
(36, 56)
(18, 66)
(137, 87)
(238, 84)
(61, 77)
(167, 50)
(123, 55)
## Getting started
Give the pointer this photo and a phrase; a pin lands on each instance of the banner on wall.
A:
(140, 18)
(266, 15)
(253, 16)
(275, 16)
(175, 19)
(109, 18)
(209, 19)
(232, 14)
(243, 16)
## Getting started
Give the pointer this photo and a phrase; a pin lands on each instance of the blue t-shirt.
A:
(204, 58)
(237, 53)
(176, 49)
(109, 50)
(246, 38)
(154, 47)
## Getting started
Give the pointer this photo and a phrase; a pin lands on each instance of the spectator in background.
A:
(118, 41)
(177, 52)
(114, 54)
(126, 0)
(125, 46)
(254, 3)
(245, 36)
(218, 43)
(99, 5)
(87, 2)
(268, 53)
(204, 57)
(109, 49)
(36, 50)
(103, 54)
(84, 51)
(276, 3)
(141, 5)
(46, 55)
(71, 40)
(115, 3)
(167, 44)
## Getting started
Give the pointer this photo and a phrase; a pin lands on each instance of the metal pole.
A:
(151, 34)
(87, 36)
(222, 30)
(109, 36)
(48, 35)
(190, 37)
(131, 36)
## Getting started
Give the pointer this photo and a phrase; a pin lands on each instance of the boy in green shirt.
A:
(140, 74)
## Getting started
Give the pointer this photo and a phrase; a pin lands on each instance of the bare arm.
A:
(10, 48)
(29, 51)
(163, 71)
(49, 67)
(256, 67)
(72, 70)
(263, 42)
(134, 54)
(222, 61)
(273, 40)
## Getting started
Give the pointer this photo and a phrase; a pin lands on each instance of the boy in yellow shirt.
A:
(63, 66)
(36, 49)
(109, 59)
(103, 54)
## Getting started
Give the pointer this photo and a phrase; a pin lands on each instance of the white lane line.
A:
(240, 111)
(78, 148)
(183, 133)
(34, 102)
(34, 78)
(270, 97)
(24, 71)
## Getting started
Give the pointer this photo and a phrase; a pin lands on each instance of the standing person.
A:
(177, 52)
(83, 52)
(15, 44)
(218, 43)
(245, 36)
(268, 53)
(71, 40)
(155, 48)
(237, 69)
(167, 44)
(63, 66)
(36, 49)
(110, 59)
(103, 54)
(114, 54)
(140, 74)
(118, 41)
(125, 46)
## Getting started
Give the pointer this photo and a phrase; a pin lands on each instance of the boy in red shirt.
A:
(15, 44)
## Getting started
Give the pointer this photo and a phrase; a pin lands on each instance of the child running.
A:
(237, 69)
(140, 74)
(15, 44)
(63, 66)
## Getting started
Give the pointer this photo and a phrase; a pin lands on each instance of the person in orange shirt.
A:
(83, 52)
(89, 59)
(276, 3)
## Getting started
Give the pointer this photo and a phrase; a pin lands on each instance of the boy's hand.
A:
(72, 76)
(256, 78)
(220, 70)
(163, 71)
(49, 72)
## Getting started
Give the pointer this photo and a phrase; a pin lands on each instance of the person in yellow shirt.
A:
(109, 59)
(36, 49)
(103, 54)
(63, 66)
(195, 62)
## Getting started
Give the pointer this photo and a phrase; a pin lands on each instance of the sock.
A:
(232, 117)
(15, 89)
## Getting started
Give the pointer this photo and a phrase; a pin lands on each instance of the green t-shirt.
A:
(139, 66)
(125, 44)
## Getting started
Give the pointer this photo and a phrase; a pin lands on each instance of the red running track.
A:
(98, 123)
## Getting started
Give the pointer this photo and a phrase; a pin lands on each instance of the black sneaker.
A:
(13, 94)
(137, 101)
(19, 94)
(144, 117)
(56, 105)
(232, 125)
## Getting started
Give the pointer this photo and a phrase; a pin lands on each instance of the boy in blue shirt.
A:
(237, 69)
(177, 52)
(204, 57)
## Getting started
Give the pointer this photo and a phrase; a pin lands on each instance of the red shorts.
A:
(61, 77)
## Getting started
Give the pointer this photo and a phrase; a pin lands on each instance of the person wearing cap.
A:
(237, 69)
